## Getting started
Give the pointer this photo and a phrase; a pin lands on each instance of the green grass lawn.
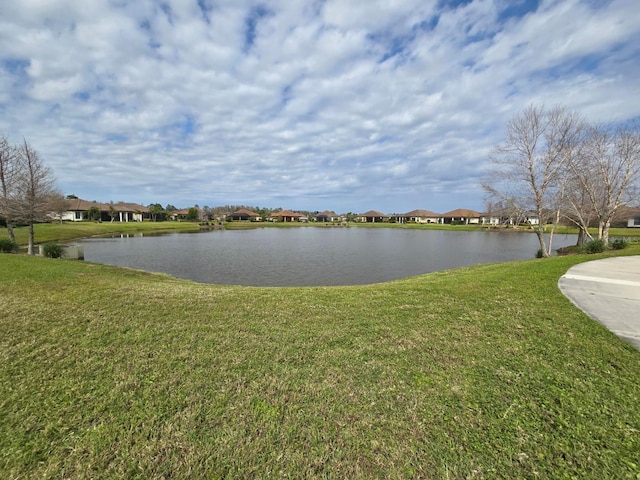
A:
(60, 232)
(67, 231)
(480, 372)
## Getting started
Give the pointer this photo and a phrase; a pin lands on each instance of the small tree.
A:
(94, 213)
(9, 168)
(112, 212)
(207, 213)
(577, 207)
(155, 210)
(192, 214)
(606, 169)
(170, 209)
(58, 204)
(35, 185)
(527, 168)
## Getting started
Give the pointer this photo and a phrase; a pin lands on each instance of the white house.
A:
(419, 216)
(79, 209)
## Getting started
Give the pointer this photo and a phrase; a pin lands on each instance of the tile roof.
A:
(77, 205)
(286, 213)
(244, 211)
(421, 213)
(372, 213)
(461, 212)
(327, 213)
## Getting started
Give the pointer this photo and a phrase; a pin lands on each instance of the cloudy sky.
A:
(346, 105)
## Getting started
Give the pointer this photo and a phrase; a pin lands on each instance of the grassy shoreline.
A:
(69, 231)
(478, 372)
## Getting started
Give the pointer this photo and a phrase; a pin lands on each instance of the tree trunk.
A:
(12, 234)
(30, 250)
(601, 230)
(543, 246)
(605, 232)
(553, 230)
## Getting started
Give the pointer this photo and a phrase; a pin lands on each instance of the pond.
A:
(311, 256)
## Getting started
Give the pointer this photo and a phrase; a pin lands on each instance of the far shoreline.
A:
(70, 231)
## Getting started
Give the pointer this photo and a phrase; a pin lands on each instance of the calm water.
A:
(312, 255)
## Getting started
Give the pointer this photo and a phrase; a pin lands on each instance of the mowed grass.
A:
(60, 232)
(68, 231)
(481, 372)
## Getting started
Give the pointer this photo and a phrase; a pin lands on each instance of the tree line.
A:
(559, 167)
(28, 188)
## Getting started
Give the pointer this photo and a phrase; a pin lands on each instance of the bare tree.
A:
(8, 177)
(528, 167)
(606, 169)
(57, 205)
(34, 186)
(112, 212)
(577, 207)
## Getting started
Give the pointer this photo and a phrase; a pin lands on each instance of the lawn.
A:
(480, 372)
(67, 231)
(60, 232)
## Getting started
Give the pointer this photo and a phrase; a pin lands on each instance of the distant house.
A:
(244, 214)
(127, 212)
(531, 219)
(180, 214)
(286, 216)
(498, 216)
(490, 219)
(419, 216)
(327, 216)
(633, 218)
(372, 216)
(183, 214)
(508, 217)
(461, 216)
(79, 210)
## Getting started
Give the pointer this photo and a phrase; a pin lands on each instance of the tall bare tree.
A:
(57, 205)
(112, 211)
(527, 168)
(8, 177)
(577, 207)
(606, 170)
(34, 187)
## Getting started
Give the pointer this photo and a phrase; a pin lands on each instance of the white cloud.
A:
(392, 105)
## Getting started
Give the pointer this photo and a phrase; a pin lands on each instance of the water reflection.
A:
(311, 255)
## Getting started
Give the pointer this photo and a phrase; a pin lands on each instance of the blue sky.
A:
(390, 105)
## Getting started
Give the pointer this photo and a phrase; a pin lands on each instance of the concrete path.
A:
(608, 291)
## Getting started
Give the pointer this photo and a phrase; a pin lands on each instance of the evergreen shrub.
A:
(619, 244)
(595, 246)
(7, 246)
(53, 250)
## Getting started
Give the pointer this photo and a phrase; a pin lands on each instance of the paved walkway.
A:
(608, 291)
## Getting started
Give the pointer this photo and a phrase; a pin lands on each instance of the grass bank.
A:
(481, 372)
(613, 232)
(67, 231)
(61, 232)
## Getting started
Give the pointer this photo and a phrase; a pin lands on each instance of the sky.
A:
(344, 105)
